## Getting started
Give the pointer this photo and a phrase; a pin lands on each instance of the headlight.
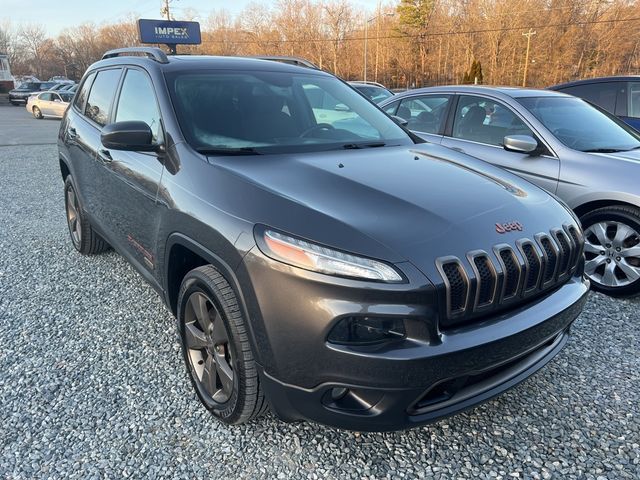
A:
(310, 256)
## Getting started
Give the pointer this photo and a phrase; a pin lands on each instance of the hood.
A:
(395, 203)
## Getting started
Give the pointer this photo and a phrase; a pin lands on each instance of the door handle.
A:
(72, 132)
(457, 149)
(105, 155)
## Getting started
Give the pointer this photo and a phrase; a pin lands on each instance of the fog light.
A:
(367, 330)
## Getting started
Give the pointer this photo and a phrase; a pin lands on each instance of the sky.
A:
(57, 15)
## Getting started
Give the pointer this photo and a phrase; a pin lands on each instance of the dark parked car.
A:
(21, 94)
(617, 95)
(368, 282)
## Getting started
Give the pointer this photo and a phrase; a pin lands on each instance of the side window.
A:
(46, 97)
(81, 98)
(602, 94)
(391, 108)
(101, 95)
(486, 121)
(425, 113)
(138, 102)
(634, 100)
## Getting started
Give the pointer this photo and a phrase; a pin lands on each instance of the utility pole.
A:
(526, 58)
(165, 10)
(366, 35)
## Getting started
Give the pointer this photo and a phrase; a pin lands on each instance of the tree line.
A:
(407, 43)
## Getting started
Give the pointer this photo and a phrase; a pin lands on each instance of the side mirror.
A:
(131, 135)
(520, 143)
(399, 120)
(57, 100)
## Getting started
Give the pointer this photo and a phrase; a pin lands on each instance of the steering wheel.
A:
(319, 126)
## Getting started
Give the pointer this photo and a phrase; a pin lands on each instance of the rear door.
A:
(478, 129)
(130, 210)
(86, 129)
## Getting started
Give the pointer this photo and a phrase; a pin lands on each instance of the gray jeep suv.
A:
(331, 265)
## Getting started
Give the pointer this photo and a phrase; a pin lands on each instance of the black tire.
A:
(246, 399)
(615, 214)
(83, 237)
(15, 104)
(37, 113)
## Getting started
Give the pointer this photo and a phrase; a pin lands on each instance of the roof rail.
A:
(301, 62)
(152, 52)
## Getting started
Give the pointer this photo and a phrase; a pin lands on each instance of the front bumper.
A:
(18, 98)
(427, 376)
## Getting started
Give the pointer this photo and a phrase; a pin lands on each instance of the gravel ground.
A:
(92, 384)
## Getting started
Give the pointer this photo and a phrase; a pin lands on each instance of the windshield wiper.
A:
(350, 146)
(228, 151)
(604, 150)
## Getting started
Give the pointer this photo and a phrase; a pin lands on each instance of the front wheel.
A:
(216, 348)
(37, 113)
(612, 249)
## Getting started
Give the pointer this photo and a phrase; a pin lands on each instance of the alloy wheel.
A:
(73, 219)
(207, 343)
(612, 251)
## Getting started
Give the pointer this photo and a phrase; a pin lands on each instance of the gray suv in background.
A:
(579, 152)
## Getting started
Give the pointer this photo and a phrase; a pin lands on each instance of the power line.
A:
(435, 34)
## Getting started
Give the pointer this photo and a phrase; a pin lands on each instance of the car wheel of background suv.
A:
(612, 249)
(37, 113)
(216, 347)
(83, 237)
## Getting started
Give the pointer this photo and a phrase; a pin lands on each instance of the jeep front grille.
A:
(508, 274)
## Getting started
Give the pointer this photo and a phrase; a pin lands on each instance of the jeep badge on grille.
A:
(509, 227)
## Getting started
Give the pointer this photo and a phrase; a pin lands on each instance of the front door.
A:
(131, 211)
(479, 127)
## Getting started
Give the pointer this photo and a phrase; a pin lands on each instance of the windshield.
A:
(373, 93)
(276, 112)
(581, 126)
(28, 86)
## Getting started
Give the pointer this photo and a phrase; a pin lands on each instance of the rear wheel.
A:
(612, 249)
(216, 348)
(37, 113)
(83, 237)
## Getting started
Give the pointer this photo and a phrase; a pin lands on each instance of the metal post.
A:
(526, 58)
(366, 32)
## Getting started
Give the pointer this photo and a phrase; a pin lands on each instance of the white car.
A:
(49, 104)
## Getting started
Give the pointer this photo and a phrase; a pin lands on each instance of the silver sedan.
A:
(49, 104)
(585, 156)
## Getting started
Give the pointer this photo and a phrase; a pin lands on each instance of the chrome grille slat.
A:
(489, 281)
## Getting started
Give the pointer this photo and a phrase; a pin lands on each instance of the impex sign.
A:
(169, 32)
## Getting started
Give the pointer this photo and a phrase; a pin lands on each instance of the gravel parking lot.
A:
(92, 384)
